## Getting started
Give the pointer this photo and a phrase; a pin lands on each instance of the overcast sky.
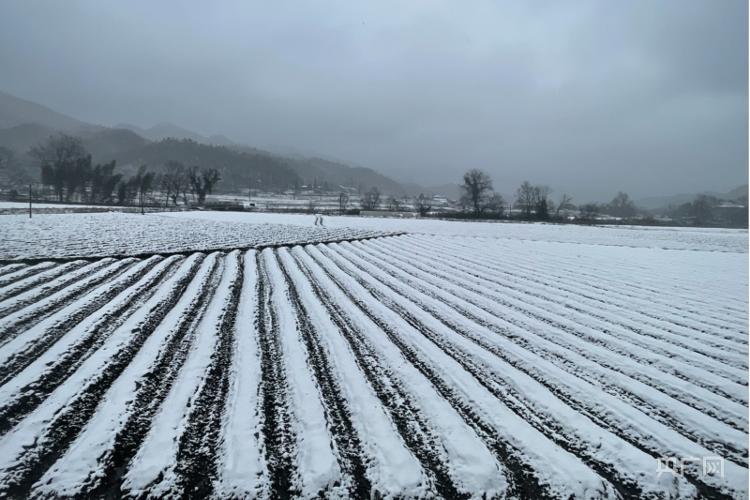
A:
(589, 97)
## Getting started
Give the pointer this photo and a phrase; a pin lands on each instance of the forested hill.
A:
(24, 124)
(238, 170)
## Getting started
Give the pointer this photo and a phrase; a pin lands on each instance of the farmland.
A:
(266, 358)
(55, 236)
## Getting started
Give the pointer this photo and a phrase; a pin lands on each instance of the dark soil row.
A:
(54, 375)
(349, 447)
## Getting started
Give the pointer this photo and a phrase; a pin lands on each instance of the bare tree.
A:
(145, 183)
(589, 211)
(477, 187)
(371, 199)
(565, 203)
(103, 182)
(542, 209)
(202, 182)
(622, 206)
(60, 161)
(343, 201)
(702, 208)
(542, 203)
(7, 158)
(533, 199)
(423, 204)
(175, 181)
(495, 205)
(525, 197)
(394, 204)
(76, 176)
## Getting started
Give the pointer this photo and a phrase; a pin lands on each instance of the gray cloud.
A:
(587, 96)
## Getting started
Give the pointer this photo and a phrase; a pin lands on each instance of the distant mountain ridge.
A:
(660, 202)
(15, 111)
(24, 124)
(162, 131)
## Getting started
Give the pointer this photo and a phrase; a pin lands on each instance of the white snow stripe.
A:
(66, 279)
(27, 432)
(628, 417)
(522, 303)
(317, 466)
(470, 463)
(38, 330)
(152, 469)
(392, 468)
(40, 365)
(241, 466)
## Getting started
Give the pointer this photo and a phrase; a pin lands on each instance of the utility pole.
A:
(29, 200)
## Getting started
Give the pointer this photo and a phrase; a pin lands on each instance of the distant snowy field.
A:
(459, 360)
(115, 233)
(722, 240)
(25, 206)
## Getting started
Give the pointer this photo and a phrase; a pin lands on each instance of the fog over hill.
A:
(131, 146)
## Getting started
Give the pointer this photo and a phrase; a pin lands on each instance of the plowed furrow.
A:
(10, 268)
(592, 374)
(505, 392)
(24, 272)
(35, 393)
(523, 482)
(33, 350)
(154, 386)
(591, 306)
(27, 319)
(42, 292)
(39, 280)
(602, 419)
(278, 437)
(68, 423)
(694, 307)
(337, 411)
(197, 460)
(666, 361)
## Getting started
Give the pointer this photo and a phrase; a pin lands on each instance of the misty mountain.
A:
(660, 202)
(15, 112)
(238, 170)
(111, 143)
(162, 131)
(20, 138)
(28, 124)
(318, 171)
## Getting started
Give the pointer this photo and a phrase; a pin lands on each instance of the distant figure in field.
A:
(318, 219)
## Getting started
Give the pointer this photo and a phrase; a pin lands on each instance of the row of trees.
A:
(480, 199)
(533, 201)
(67, 169)
(621, 206)
(710, 210)
(371, 200)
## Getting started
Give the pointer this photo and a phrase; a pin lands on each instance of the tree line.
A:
(68, 171)
(479, 200)
(532, 202)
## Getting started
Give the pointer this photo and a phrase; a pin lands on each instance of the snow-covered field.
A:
(19, 205)
(463, 359)
(118, 234)
(722, 240)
